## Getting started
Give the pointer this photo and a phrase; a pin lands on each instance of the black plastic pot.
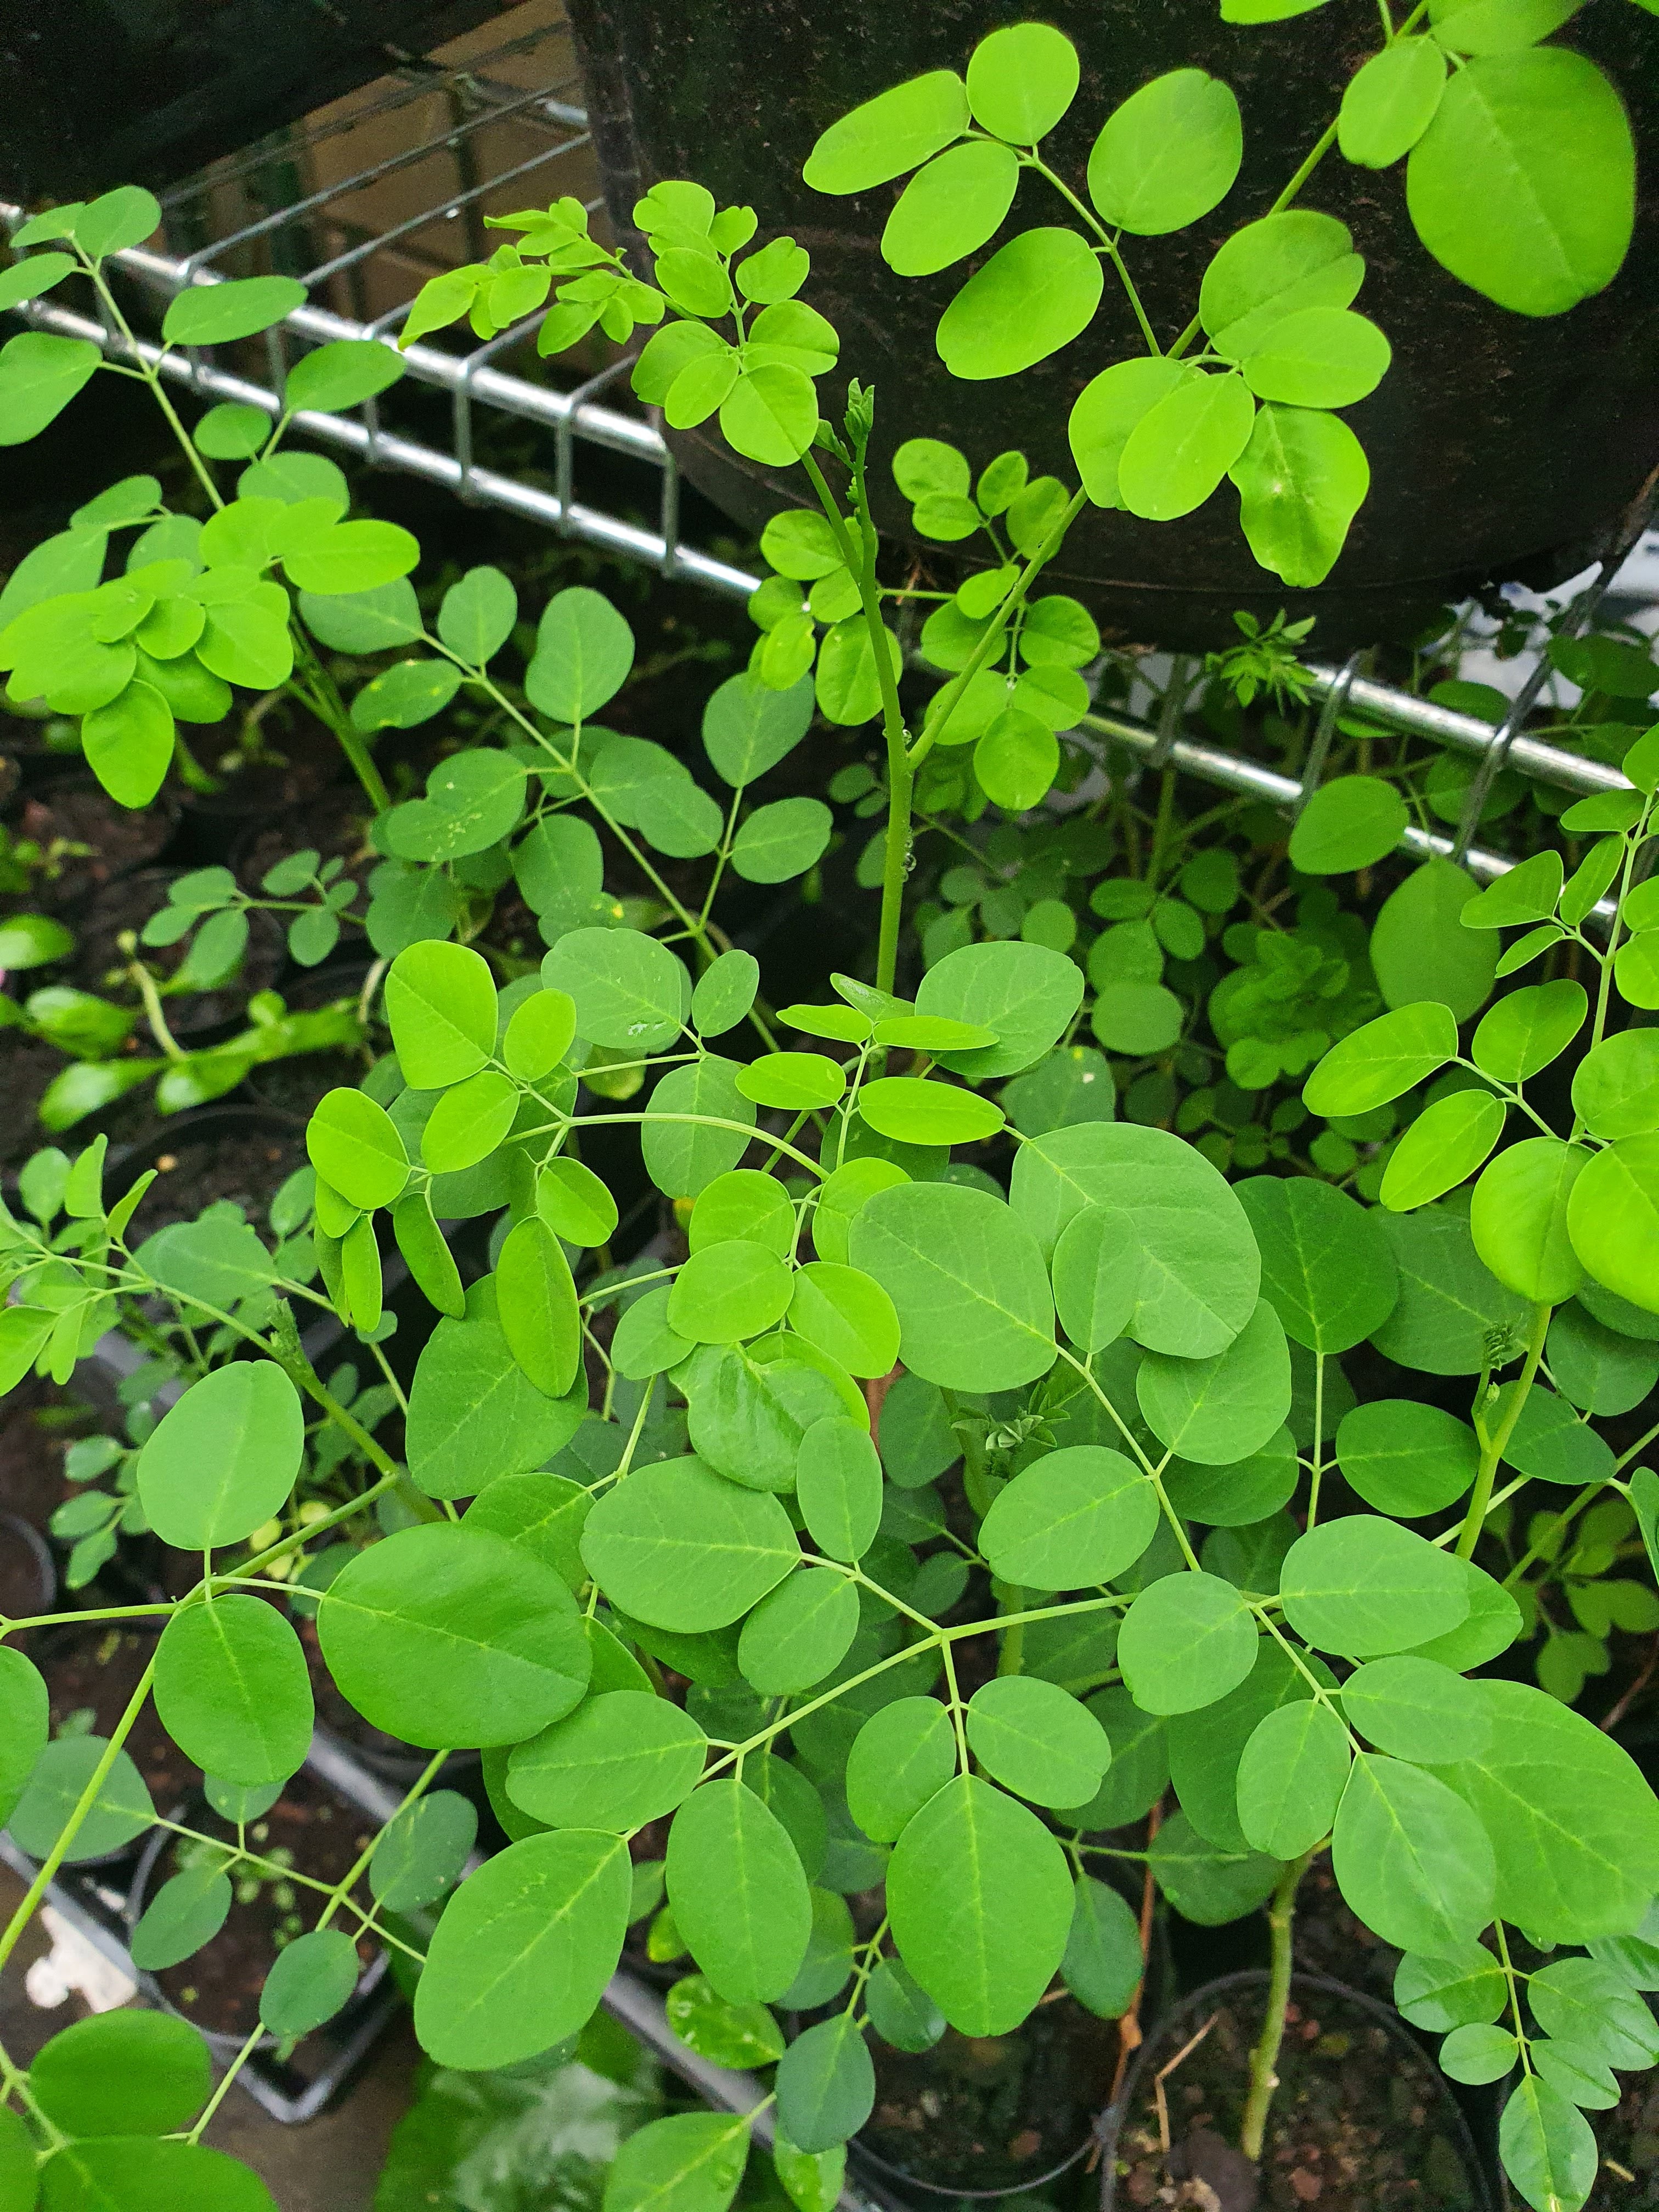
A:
(1500, 446)
(290, 2091)
(102, 96)
(1468, 2175)
(28, 1573)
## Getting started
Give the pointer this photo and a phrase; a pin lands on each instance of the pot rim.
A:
(1257, 1977)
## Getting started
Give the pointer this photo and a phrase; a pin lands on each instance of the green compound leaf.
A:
(770, 413)
(917, 1112)
(1420, 949)
(1465, 1989)
(584, 651)
(900, 1758)
(1449, 1301)
(523, 1950)
(469, 1122)
(1348, 823)
(1519, 1218)
(1164, 1233)
(1033, 296)
(1168, 154)
(1301, 480)
(1477, 2054)
(1220, 1409)
(826, 2084)
(1272, 269)
(1413, 1709)
(679, 1547)
(1522, 186)
(619, 1761)
(691, 2163)
(1017, 760)
(121, 2073)
(950, 209)
(1076, 1517)
(1615, 1087)
(444, 1635)
(1613, 1217)
(684, 1155)
(1203, 1881)
(848, 1315)
(1406, 1459)
(423, 1850)
(724, 993)
(1574, 1825)
(1103, 1965)
(441, 1001)
(1327, 1267)
(186, 1913)
(574, 1204)
(1291, 1778)
(800, 1632)
(838, 1487)
(224, 1459)
(748, 728)
(896, 131)
(1185, 1642)
(783, 840)
(1026, 995)
(1549, 2148)
(1363, 1586)
(120, 1811)
(981, 1903)
(730, 2035)
(474, 1415)
(737, 1893)
(1390, 102)
(232, 1690)
(1037, 1741)
(729, 1291)
(1319, 357)
(1021, 80)
(1442, 1148)
(537, 1302)
(1183, 447)
(630, 991)
(354, 1147)
(1108, 410)
(967, 1279)
(24, 1725)
(216, 314)
(148, 2173)
(1525, 1031)
(1382, 1060)
(901, 2013)
(311, 1979)
(1410, 1858)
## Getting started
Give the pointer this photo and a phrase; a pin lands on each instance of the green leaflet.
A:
(232, 1690)
(738, 1895)
(678, 1547)
(242, 1429)
(1411, 1858)
(967, 1279)
(981, 1903)
(524, 1950)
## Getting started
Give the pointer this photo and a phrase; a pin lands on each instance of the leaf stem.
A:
(1492, 1451)
(1107, 245)
(1264, 2058)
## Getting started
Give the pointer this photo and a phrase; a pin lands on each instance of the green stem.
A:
(153, 378)
(322, 696)
(946, 701)
(901, 774)
(71, 1829)
(1264, 2058)
(1107, 246)
(153, 1014)
(1492, 1451)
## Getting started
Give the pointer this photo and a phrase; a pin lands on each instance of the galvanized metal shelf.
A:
(481, 132)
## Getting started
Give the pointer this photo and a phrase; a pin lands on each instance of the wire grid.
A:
(367, 199)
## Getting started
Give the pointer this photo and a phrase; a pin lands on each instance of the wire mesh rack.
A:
(370, 196)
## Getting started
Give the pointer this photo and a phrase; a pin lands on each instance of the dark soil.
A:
(1359, 2123)
(129, 905)
(302, 757)
(95, 1670)
(245, 1166)
(334, 825)
(120, 839)
(28, 1065)
(35, 1423)
(1629, 2139)
(28, 1580)
(219, 1988)
(992, 2111)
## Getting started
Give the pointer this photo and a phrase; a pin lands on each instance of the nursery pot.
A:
(989, 2116)
(226, 1975)
(1500, 446)
(1361, 2115)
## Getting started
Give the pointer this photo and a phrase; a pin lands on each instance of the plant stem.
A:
(1107, 246)
(1264, 2059)
(153, 1013)
(322, 695)
(1491, 1451)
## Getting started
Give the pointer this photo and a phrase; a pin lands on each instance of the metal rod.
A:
(1465, 734)
(1255, 781)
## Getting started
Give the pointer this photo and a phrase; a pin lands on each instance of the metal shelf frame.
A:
(596, 412)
